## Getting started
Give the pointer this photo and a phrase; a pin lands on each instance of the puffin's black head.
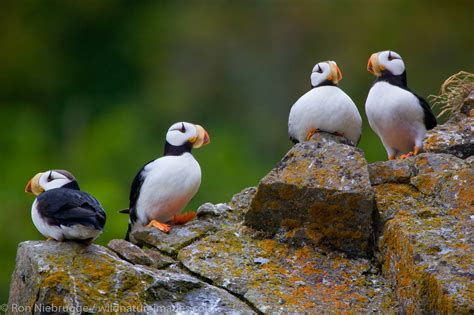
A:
(386, 62)
(49, 180)
(325, 73)
(184, 136)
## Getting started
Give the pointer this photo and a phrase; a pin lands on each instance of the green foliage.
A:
(92, 86)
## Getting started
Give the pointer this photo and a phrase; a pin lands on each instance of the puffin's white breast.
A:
(170, 183)
(395, 115)
(326, 108)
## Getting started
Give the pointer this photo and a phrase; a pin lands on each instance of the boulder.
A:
(71, 277)
(279, 278)
(427, 248)
(137, 256)
(454, 137)
(177, 238)
(320, 189)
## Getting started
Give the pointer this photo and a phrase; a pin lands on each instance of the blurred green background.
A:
(92, 86)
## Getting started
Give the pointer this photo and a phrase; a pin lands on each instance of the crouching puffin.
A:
(61, 211)
(397, 115)
(163, 187)
(324, 108)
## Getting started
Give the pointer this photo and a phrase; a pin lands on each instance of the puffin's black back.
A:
(68, 207)
(401, 82)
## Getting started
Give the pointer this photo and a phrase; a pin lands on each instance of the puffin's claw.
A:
(404, 156)
(160, 226)
(311, 132)
(183, 218)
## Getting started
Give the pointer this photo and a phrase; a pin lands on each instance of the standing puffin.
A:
(324, 108)
(61, 211)
(163, 187)
(397, 115)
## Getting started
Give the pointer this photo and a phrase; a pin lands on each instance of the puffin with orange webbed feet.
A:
(163, 187)
(397, 115)
(324, 108)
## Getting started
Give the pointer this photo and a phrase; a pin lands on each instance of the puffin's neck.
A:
(324, 83)
(72, 185)
(177, 150)
(398, 80)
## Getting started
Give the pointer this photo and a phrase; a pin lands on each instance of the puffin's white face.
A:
(49, 180)
(386, 61)
(183, 132)
(325, 71)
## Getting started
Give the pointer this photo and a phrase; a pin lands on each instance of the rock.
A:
(454, 137)
(321, 186)
(394, 171)
(212, 210)
(70, 276)
(177, 238)
(130, 252)
(159, 260)
(279, 278)
(427, 244)
(138, 256)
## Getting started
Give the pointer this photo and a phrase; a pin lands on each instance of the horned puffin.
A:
(163, 187)
(61, 211)
(324, 108)
(397, 115)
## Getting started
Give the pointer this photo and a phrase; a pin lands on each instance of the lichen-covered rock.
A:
(93, 279)
(138, 256)
(393, 171)
(454, 137)
(279, 278)
(427, 246)
(209, 209)
(321, 187)
(177, 238)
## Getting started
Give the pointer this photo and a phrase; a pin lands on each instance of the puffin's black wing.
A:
(430, 119)
(68, 207)
(134, 194)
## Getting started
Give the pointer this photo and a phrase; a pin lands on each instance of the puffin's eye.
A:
(50, 176)
(183, 129)
(319, 69)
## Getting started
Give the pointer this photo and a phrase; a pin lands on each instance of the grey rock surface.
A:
(321, 189)
(92, 278)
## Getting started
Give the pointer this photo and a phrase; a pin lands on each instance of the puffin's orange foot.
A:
(404, 156)
(416, 150)
(50, 239)
(311, 132)
(183, 218)
(160, 226)
(391, 157)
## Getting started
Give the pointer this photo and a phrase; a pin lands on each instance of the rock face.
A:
(319, 192)
(427, 245)
(455, 136)
(302, 242)
(70, 276)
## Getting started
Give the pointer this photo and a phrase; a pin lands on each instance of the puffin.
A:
(324, 108)
(397, 115)
(164, 186)
(61, 211)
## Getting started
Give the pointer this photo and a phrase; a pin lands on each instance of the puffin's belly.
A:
(168, 189)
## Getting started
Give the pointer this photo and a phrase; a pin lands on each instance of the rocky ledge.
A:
(323, 232)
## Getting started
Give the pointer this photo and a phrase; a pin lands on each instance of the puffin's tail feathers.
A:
(127, 236)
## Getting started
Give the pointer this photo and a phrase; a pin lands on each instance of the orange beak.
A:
(201, 139)
(373, 65)
(28, 187)
(336, 75)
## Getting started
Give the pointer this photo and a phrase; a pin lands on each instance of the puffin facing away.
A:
(61, 211)
(397, 115)
(324, 108)
(163, 187)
